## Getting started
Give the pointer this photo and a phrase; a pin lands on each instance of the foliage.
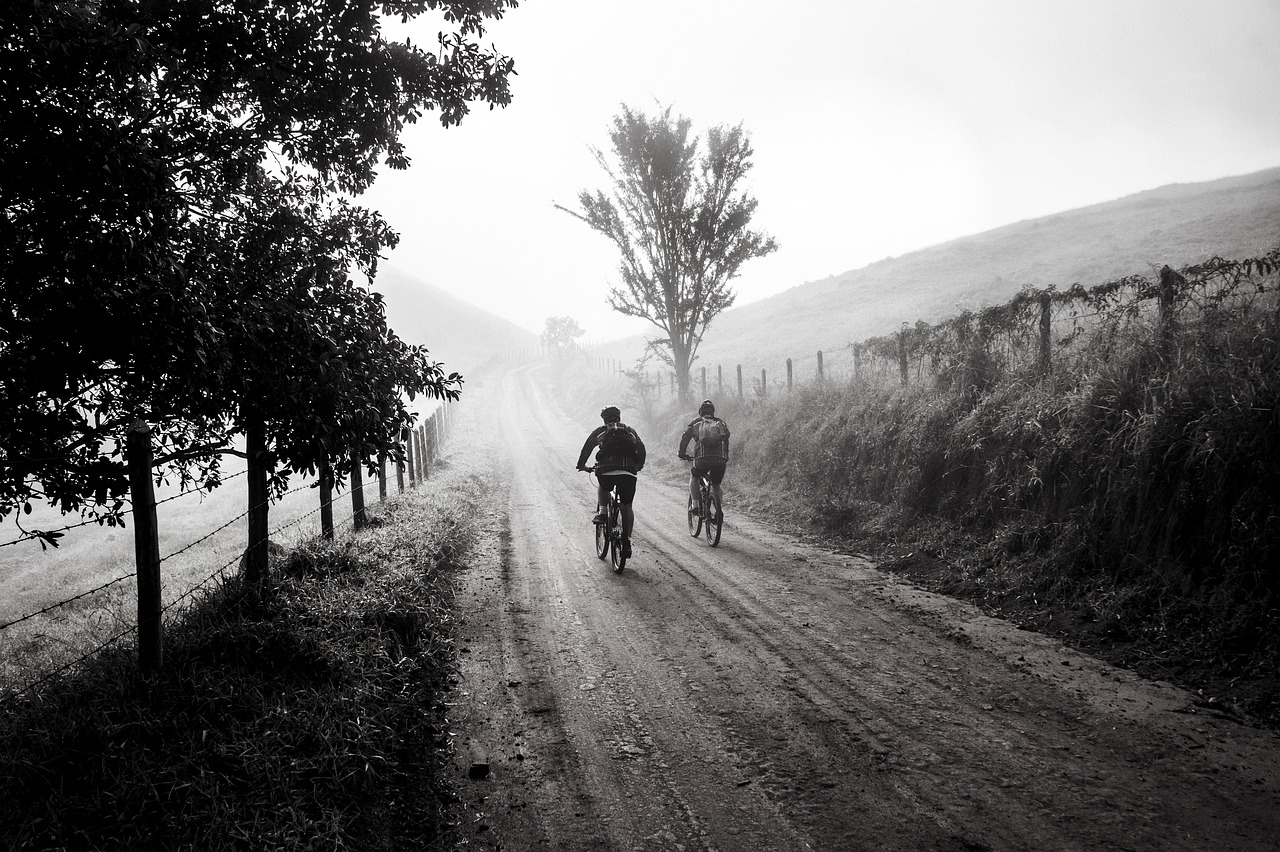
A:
(560, 333)
(679, 216)
(132, 152)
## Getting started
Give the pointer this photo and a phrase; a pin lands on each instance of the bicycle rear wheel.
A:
(695, 519)
(602, 540)
(714, 520)
(615, 526)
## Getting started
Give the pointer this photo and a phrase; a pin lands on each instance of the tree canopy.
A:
(560, 333)
(170, 226)
(680, 217)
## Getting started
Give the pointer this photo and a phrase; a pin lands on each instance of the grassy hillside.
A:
(459, 334)
(1175, 225)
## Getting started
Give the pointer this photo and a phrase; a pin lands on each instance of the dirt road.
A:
(769, 695)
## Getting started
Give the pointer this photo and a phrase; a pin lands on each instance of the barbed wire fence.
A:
(423, 447)
(1037, 331)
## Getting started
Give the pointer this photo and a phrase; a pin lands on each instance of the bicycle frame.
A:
(707, 516)
(609, 534)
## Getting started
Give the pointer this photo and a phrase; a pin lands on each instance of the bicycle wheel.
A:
(619, 558)
(602, 540)
(695, 519)
(714, 521)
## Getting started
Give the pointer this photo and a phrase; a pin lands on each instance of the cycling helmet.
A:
(611, 414)
(707, 408)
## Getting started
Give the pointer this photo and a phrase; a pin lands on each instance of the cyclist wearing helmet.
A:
(620, 456)
(711, 452)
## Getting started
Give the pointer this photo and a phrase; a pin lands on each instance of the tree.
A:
(559, 333)
(133, 131)
(328, 392)
(679, 216)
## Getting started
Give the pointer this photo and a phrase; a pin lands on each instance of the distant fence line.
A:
(423, 446)
(1037, 330)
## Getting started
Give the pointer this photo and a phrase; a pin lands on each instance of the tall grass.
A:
(313, 720)
(1138, 485)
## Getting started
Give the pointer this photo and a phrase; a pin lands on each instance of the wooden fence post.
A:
(400, 465)
(410, 457)
(1045, 315)
(704, 382)
(146, 546)
(359, 518)
(740, 396)
(326, 501)
(420, 435)
(256, 558)
(1169, 280)
(788, 375)
(382, 477)
(902, 355)
(819, 365)
(764, 387)
(719, 380)
(427, 455)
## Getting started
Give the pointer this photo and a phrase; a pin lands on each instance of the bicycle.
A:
(708, 515)
(609, 533)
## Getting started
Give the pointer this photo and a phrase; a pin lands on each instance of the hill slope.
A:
(459, 334)
(1176, 225)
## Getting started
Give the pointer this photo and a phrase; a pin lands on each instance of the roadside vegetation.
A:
(1123, 499)
(1127, 505)
(312, 718)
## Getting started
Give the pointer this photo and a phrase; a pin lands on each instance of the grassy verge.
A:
(1128, 507)
(315, 720)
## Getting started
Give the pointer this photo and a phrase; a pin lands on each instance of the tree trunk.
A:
(682, 363)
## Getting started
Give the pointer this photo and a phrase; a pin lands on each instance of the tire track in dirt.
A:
(768, 695)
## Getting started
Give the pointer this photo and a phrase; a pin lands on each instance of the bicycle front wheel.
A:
(714, 520)
(695, 518)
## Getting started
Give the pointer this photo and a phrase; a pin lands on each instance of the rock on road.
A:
(770, 695)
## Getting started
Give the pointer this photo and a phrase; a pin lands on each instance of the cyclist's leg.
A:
(701, 467)
(626, 493)
(715, 472)
(602, 495)
(693, 484)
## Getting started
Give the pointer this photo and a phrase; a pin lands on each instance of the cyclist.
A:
(710, 454)
(620, 456)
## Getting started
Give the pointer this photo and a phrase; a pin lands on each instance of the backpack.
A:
(617, 441)
(711, 436)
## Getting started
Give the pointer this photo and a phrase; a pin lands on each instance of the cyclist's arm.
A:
(586, 447)
(689, 432)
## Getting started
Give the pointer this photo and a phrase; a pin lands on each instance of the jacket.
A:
(699, 452)
(609, 464)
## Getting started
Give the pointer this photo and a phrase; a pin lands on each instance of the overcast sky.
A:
(879, 128)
